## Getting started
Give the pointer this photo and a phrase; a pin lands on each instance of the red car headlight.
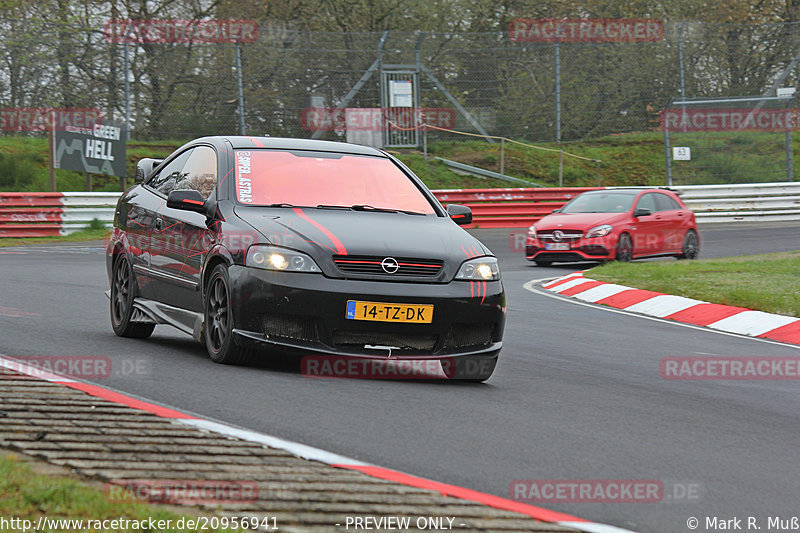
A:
(599, 231)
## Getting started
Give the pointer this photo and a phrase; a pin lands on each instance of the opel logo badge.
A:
(558, 235)
(390, 265)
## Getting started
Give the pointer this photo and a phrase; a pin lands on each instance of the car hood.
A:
(327, 232)
(579, 221)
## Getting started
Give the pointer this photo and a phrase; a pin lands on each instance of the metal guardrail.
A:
(743, 202)
(483, 173)
(42, 214)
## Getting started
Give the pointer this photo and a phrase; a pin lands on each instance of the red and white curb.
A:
(315, 454)
(686, 310)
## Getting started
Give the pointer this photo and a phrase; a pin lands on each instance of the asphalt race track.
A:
(577, 393)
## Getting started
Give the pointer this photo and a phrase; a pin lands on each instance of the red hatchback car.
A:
(615, 224)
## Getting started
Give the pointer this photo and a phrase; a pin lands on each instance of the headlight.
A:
(532, 232)
(599, 231)
(277, 258)
(479, 269)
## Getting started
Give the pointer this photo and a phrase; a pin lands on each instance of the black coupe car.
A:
(258, 245)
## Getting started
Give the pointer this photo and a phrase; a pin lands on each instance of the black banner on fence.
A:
(99, 149)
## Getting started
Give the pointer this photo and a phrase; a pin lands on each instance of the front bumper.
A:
(305, 314)
(594, 249)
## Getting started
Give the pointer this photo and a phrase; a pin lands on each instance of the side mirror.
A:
(187, 200)
(144, 167)
(556, 211)
(642, 212)
(460, 214)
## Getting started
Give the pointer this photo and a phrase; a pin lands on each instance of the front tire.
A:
(218, 317)
(624, 249)
(691, 246)
(123, 290)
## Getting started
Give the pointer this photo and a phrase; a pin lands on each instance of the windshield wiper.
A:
(365, 207)
(282, 204)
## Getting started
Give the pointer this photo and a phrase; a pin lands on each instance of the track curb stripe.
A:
(720, 317)
(544, 515)
(316, 454)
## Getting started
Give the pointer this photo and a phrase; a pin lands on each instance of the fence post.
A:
(239, 86)
(126, 68)
(599, 180)
(561, 167)
(667, 159)
(558, 91)
(52, 149)
(425, 140)
(502, 156)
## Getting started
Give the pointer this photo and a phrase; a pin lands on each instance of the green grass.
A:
(634, 159)
(437, 175)
(24, 165)
(626, 159)
(27, 495)
(89, 234)
(767, 282)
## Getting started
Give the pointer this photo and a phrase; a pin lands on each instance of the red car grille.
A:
(569, 235)
(351, 264)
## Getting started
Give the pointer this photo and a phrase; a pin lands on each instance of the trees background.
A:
(56, 54)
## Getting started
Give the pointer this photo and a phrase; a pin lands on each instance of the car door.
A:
(135, 214)
(674, 219)
(648, 235)
(186, 233)
(164, 256)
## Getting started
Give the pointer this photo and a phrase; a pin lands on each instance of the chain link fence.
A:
(298, 84)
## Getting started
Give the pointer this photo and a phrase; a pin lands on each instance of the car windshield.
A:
(605, 202)
(301, 178)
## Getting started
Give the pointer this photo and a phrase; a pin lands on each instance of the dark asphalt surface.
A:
(577, 393)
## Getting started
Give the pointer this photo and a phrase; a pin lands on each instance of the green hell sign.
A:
(96, 149)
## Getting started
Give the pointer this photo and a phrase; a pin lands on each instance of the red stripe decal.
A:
(116, 397)
(257, 142)
(416, 265)
(472, 289)
(357, 262)
(340, 249)
(539, 513)
(484, 291)
(188, 201)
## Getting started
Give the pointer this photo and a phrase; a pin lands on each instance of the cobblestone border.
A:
(107, 441)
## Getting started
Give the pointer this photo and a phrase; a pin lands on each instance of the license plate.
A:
(556, 246)
(385, 312)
